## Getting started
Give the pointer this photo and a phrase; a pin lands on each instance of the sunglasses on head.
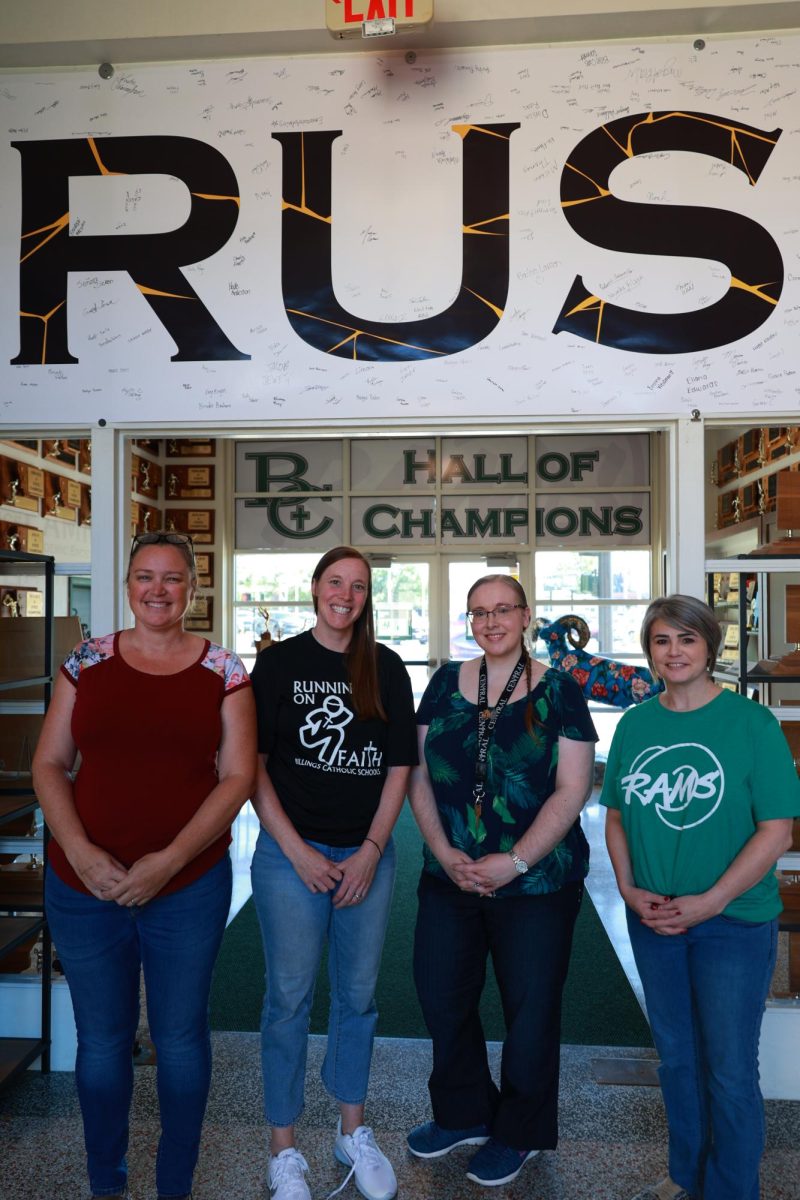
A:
(171, 538)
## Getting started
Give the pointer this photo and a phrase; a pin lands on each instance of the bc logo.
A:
(685, 782)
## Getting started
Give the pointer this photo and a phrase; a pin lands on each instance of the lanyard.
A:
(487, 719)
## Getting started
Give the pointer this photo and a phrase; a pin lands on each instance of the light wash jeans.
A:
(101, 946)
(705, 992)
(294, 925)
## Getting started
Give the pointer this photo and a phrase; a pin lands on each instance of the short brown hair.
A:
(683, 612)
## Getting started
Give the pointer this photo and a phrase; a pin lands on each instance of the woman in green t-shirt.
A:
(701, 790)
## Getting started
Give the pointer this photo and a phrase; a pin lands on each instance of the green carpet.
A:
(600, 1008)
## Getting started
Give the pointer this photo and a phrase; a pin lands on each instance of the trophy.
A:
(788, 519)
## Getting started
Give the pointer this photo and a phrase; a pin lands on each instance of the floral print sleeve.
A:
(228, 666)
(87, 654)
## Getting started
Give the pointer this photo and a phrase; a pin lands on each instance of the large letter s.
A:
(743, 245)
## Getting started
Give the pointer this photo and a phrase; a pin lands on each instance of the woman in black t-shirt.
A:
(337, 738)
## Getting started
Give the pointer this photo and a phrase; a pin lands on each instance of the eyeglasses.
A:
(171, 538)
(478, 615)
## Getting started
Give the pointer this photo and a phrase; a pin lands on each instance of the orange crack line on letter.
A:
(55, 227)
(102, 168)
(754, 289)
(297, 312)
(602, 192)
(148, 291)
(209, 196)
(591, 302)
(306, 212)
(463, 130)
(475, 226)
(44, 319)
(497, 311)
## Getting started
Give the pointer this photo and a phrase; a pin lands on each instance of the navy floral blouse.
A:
(521, 773)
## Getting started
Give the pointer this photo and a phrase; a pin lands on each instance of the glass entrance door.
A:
(401, 598)
(461, 575)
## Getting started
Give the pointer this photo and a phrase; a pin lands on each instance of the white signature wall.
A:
(396, 235)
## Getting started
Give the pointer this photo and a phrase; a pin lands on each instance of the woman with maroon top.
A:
(139, 875)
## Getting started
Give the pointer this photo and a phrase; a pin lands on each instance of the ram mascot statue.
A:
(600, 679)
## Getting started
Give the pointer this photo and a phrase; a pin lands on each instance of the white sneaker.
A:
(359, 1151)
(286, 1171)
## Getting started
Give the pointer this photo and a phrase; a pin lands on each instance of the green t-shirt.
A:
(691, 787)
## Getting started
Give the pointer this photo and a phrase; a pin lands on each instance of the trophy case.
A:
(26, 675)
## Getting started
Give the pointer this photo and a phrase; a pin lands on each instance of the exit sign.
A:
(358, 18)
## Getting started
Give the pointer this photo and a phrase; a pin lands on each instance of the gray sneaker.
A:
(286, 1176)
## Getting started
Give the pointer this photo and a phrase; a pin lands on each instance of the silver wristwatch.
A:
(520, 866)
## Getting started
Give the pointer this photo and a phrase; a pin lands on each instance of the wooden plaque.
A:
(148, 519)
(32, 481)
(145, 476)
(189, 483)
(85, 456)
(191, 447)
(200, 616)
(776, 442)
(23, 538)
(151, 444)
(727, 463)
(55, 500)
(22, 485)
(71, 491)
(727, 509)
(85, 507)
(62, 450)
(750, 447)
(199, 522)
(788, 505)
(204, 562)
(749, 501)
(31, 446)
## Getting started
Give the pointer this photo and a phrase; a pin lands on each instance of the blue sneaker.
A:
(495, 1163)
(431, 1141)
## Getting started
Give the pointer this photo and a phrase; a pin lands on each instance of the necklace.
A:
(487, 719)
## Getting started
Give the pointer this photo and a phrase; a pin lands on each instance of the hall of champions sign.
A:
(586, 491)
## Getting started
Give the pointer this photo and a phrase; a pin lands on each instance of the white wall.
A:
(49, 32)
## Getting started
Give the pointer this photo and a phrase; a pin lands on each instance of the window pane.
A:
(602, 575)
(614, 628)
(400, 602)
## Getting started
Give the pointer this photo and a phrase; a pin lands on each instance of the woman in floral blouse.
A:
(507, 754)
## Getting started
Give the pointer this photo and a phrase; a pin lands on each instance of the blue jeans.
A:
(294, 924)
(529, 939)
(175, 939)
(705, 993)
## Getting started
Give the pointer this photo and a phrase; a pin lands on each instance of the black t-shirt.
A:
(327, 766)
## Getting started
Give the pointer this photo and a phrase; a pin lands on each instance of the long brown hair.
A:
(531, 720)
(361, 656)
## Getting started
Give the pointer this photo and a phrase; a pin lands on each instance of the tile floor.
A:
(612, 1138)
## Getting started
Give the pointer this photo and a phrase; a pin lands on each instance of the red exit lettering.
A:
(377, 9)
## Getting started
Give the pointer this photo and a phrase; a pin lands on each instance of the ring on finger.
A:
(356, 895)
